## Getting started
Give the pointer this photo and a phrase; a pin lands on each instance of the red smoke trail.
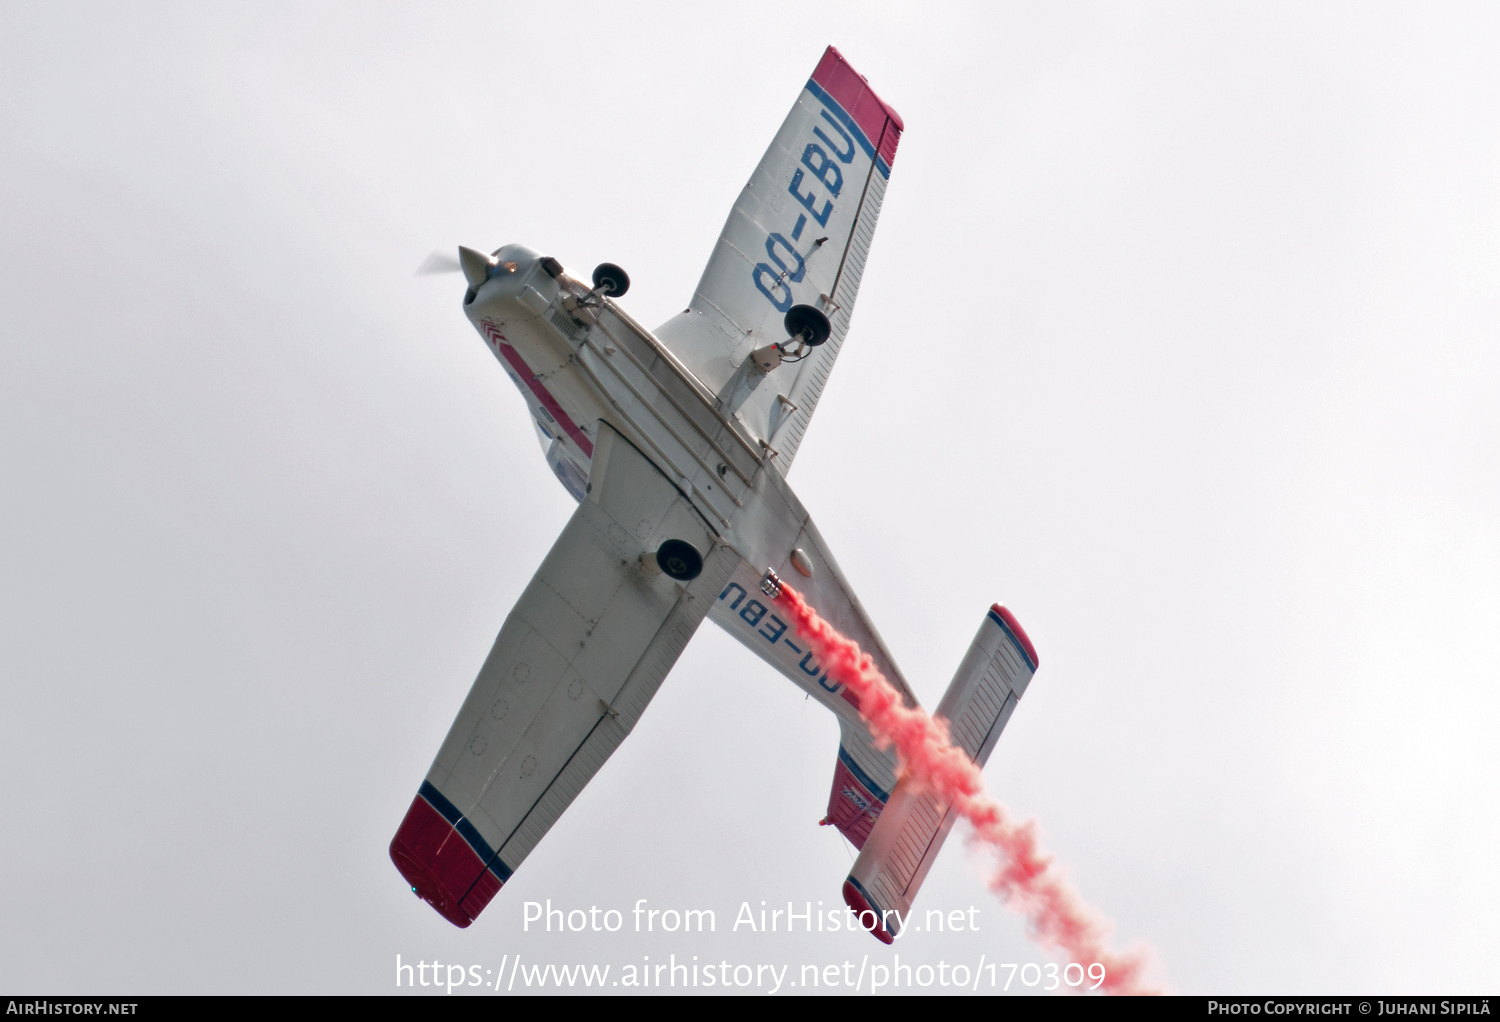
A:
(1025, 879)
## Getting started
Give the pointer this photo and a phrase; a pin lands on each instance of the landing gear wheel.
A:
(808, 323)
(612, 279)
(679, 559)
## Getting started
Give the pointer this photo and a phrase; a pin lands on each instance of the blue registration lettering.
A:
(776, 624)
(753, 607)
(810, 200)
(843, 157)
(817, 161)
(737, 599)
(762, 275)
(776, 241)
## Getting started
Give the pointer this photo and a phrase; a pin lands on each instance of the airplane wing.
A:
(571, 672)
(798, 234)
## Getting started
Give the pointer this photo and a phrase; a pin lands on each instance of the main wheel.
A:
(679, 559)
(808, 323)
(614, 280)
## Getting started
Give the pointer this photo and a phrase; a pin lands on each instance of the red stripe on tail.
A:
(850, 90)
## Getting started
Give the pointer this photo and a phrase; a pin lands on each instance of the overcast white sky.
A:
(1178, 337)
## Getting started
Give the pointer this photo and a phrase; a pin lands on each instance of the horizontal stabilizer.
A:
(910, 831)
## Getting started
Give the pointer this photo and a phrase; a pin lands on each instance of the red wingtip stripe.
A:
(1018, 632)
(837, 77)
(440, 866)
(857, 902)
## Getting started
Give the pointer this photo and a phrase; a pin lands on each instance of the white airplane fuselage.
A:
(577, 359)
(676, 443)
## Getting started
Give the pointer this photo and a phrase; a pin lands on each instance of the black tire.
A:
(808, 323)
(679, 559)
(614, 280)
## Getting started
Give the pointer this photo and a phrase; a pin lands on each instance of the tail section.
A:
(908, 833)
(857, 798)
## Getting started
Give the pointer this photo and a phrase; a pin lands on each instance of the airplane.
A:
(676, 443)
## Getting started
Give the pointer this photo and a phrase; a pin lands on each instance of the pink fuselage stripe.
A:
(545, 397)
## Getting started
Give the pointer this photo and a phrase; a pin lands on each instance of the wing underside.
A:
(574, 667)
(798, 234)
